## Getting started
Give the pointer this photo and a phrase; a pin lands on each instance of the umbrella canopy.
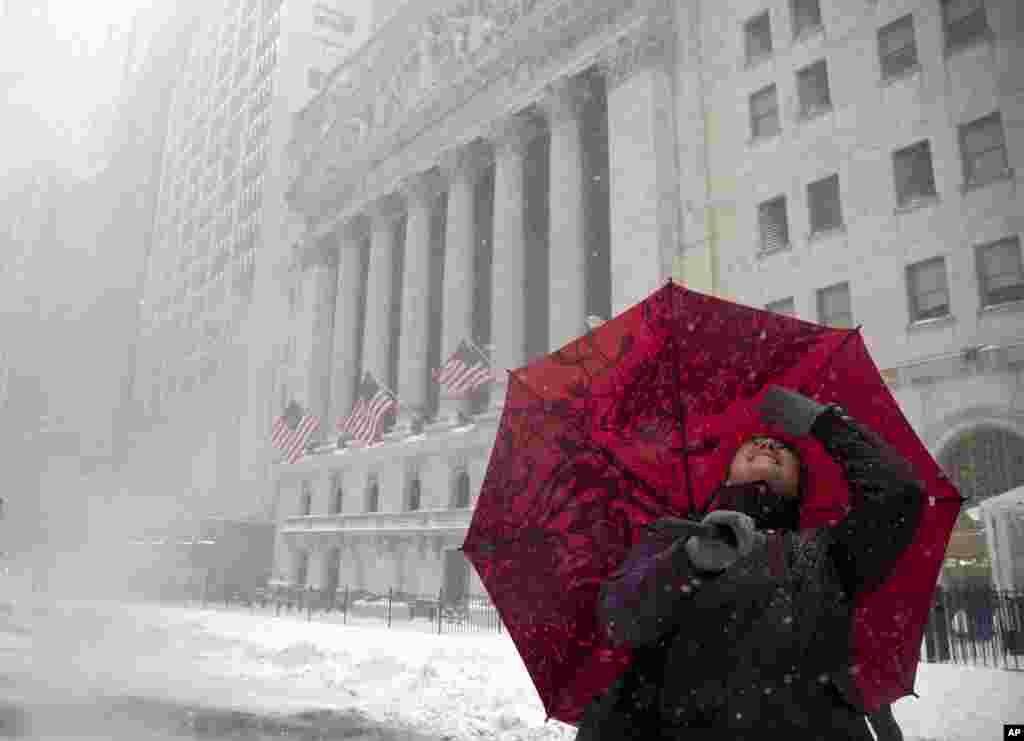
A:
(637, 420)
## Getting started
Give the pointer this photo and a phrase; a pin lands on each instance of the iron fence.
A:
(460, 614)
(973, 625)
(976, 625)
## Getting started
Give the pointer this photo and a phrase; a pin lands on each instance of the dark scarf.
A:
(770, 511)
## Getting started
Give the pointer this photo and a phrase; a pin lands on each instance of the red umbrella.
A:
(636, 421)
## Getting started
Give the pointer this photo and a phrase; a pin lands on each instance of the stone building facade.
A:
(502, 170)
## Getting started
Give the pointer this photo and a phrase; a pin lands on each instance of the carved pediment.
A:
(407, 75)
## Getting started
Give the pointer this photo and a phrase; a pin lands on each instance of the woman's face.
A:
(767, 459)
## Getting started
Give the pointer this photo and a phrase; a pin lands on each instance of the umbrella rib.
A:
(831, 355)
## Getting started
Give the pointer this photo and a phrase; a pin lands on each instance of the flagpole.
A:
(398, 401)
(482, 354)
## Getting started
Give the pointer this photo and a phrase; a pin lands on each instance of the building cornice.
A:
(402, 84)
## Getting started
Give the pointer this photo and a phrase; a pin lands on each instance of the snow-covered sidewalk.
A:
(448, 686)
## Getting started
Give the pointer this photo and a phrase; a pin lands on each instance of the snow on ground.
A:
(454, 686)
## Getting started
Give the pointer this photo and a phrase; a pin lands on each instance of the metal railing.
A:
(463, 614)
(976, 625)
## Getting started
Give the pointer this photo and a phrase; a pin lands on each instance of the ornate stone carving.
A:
(449, 58)
(632, 52)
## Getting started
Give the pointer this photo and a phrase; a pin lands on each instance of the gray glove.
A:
(792, 413)
(716, 554)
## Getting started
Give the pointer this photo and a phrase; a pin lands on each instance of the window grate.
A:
(773, 224)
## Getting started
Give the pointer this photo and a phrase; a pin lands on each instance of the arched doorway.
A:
(982, 462)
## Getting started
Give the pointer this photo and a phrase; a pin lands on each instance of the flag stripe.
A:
(463, 372)
(292, 442)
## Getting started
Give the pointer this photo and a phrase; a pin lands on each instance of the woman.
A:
(735, 636)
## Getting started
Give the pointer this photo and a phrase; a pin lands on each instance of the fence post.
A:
(309, 604)
(345, 607)
(440, 604)
(390, 594)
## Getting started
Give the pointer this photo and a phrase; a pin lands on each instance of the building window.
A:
(461, 498)
(897, 47)
(339, 495)
(824, 203)
(927, 289)
(782, 306)
(812, 88)
(834, 306)
(373, 496)
(983, 149)
(307, 499)
(1000, 276)
(806, 16)
(773, 224)
(758, 34)
(915, 180)
(764, 112)
(964, 22)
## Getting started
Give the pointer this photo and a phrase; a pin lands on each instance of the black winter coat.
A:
(763, 648)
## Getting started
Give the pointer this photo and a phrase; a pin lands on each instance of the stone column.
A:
(508, 300)
(379, 291)
(567, 292)
(319, 563)
(321, 265)
(462, 168)
(346, 323)
(642, 162)
(420, 192)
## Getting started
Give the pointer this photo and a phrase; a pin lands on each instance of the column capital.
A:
(422, 187)
(317, 253)
(356, 228)
(385, 209)
(636, 50)
(514, 133)
(564, 99)
(467, 160)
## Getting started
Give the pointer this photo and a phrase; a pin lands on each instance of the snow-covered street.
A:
(403, 683)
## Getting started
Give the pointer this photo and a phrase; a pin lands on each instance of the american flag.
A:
(292, 431)
(465, 371)
(368, 413)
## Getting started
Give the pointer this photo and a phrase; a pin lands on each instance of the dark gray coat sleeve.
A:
(886, 501)
(643, 599)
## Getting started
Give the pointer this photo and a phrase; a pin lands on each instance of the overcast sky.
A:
(55, 75)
